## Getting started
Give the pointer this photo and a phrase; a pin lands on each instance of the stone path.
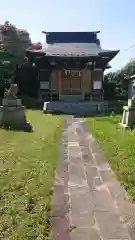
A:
(88, 202)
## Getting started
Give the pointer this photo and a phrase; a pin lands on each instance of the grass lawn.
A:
(119, 148)
(27, 162)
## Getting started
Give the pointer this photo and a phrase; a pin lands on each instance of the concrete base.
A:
(13, 117)
(124, 126)
(13, 103)
(76, 108)
(128, 119)
(131, 102)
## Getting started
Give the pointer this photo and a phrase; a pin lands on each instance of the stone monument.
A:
(12, 113)
(128, 119)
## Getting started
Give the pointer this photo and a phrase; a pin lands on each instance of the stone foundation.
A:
(77, 108)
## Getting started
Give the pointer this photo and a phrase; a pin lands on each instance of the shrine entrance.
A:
(71, 82)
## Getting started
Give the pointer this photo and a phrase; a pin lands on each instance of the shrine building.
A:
(71, 66)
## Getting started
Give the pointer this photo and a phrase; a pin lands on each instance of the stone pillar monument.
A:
(12, 113)
(128, 119)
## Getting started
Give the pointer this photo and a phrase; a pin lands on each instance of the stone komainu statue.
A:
(11, 92)
(133, 90)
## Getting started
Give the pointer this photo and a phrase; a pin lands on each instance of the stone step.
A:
(75, 107)
(71, 98)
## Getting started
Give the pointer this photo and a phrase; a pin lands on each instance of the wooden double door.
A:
(71, 83)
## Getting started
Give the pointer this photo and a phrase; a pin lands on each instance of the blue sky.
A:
(114, 18)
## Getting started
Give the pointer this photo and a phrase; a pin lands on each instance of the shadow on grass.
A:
(95, 115)
(34, 108)
(27, 127)
(92, 115)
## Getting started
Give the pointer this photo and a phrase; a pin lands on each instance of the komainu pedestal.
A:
(12, 113)
(128, 118)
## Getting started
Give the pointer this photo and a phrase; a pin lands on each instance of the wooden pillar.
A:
(97, 78)
(86, 81)
(55, 81)
(90, 80)
(97, 75)
(60, 81)
(82, 80)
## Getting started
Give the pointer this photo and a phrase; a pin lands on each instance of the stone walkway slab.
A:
(88, 202)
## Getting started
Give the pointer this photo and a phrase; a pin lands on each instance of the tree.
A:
(12, 48)
(121, 78)
(36, 46)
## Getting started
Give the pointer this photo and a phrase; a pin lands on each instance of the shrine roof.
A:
(72, 37)
(74, 45)
(76, 50)
(72, 49)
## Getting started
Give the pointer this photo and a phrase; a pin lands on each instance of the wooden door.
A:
(71, 83)
(76, 86)
(65, 86)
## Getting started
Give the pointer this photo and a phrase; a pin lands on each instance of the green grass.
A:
(118, 146)
(27, 162)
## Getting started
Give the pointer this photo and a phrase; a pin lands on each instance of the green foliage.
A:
(12, 48)
(121, 78)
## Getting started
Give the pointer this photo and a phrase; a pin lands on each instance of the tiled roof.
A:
(72, 49)
(75, 50)
(72, 37)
